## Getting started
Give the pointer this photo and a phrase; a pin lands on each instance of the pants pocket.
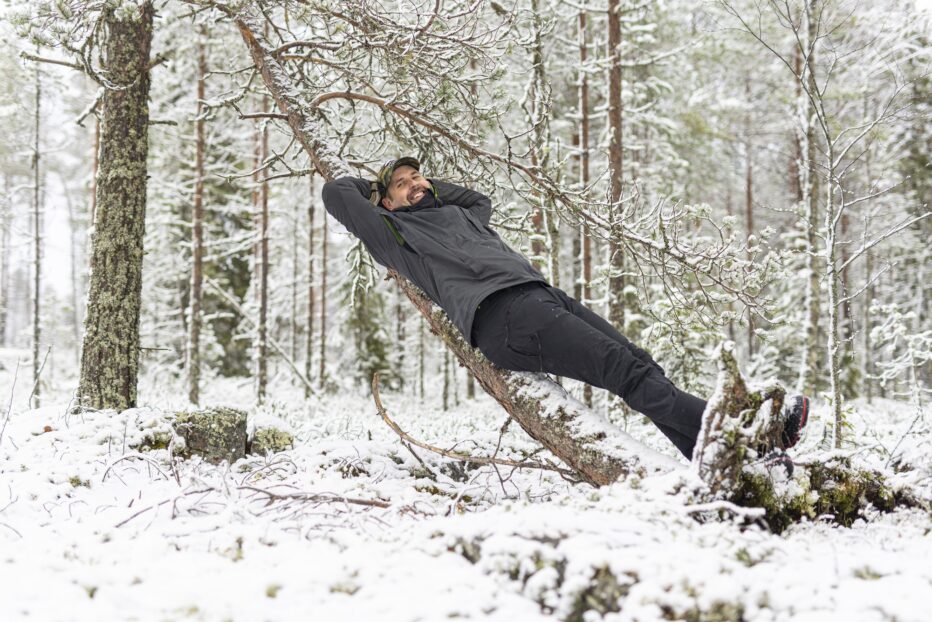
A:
(520, 334)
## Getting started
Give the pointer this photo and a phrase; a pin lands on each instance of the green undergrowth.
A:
(832, 489)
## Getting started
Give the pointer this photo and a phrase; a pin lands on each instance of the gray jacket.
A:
(449, 251)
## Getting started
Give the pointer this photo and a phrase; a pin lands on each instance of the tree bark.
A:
(36, 242)
(322, 372)
(262, 349)
(585, 290)
(834, 431)
(537, 152)
(5, 220)
(749, 201)
(197, 232)
(807, 378)
(399, 344)
(616, 281)
(598, 451)
(445, 369)
(110, 355)
(309, 336)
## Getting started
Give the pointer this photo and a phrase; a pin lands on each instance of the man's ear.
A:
(386, 203)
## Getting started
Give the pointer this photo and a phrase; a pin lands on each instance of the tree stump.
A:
(216, 434)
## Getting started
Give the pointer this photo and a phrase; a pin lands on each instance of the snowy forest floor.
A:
(91, 529)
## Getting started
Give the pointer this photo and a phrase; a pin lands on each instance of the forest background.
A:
(695, 172)
(804, 206)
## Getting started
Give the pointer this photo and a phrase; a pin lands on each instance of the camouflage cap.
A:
(385, 173)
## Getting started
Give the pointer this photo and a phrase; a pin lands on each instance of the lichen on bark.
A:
(110, 352)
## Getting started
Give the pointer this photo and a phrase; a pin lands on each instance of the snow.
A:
(91, 528)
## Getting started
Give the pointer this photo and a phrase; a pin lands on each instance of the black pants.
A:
(537, 327)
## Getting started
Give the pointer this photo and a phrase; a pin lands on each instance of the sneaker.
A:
(795, 417)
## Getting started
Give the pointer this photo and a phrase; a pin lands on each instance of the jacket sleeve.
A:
(347, 200)
(475, 202)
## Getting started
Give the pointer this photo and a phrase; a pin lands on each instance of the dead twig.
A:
(163, 502)
(315, 497)
(455, 455)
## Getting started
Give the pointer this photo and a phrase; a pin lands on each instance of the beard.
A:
(427, 199)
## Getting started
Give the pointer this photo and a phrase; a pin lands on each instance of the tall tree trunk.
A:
(576, 252)
(262, 272)
(445, 355)
(616, 281)
(585, 290)
(323, 300)
(470, 387)
(808, 369)
(110, 356)
(293, 325)
(309, 336)
(796, 161)
(400, 335)
(749, 200)
(6, 217)
(835, 429)
(847, 322)
(867, 356)
(420, 360)
(197, 230)
(73, 226)
(36, 241)
(538, 122)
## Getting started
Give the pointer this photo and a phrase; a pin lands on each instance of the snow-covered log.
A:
(597, 450)
(736, 423)
(735, 460)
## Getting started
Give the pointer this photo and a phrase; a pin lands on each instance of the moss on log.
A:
(269, 440)
(740, 424)
(216, 434)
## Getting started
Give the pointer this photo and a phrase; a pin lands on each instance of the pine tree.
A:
(110, 354)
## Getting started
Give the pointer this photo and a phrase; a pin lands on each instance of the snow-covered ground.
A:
(90, 529)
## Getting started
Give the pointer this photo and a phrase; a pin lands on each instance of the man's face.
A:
(407, 187)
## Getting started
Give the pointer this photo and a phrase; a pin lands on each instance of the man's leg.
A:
(693, 410)
(534, 328)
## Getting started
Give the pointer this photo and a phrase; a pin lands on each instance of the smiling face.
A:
(407, 187)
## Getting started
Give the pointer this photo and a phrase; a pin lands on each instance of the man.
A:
(437, 235)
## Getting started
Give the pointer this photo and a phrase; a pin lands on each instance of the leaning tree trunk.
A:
(110, 354)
